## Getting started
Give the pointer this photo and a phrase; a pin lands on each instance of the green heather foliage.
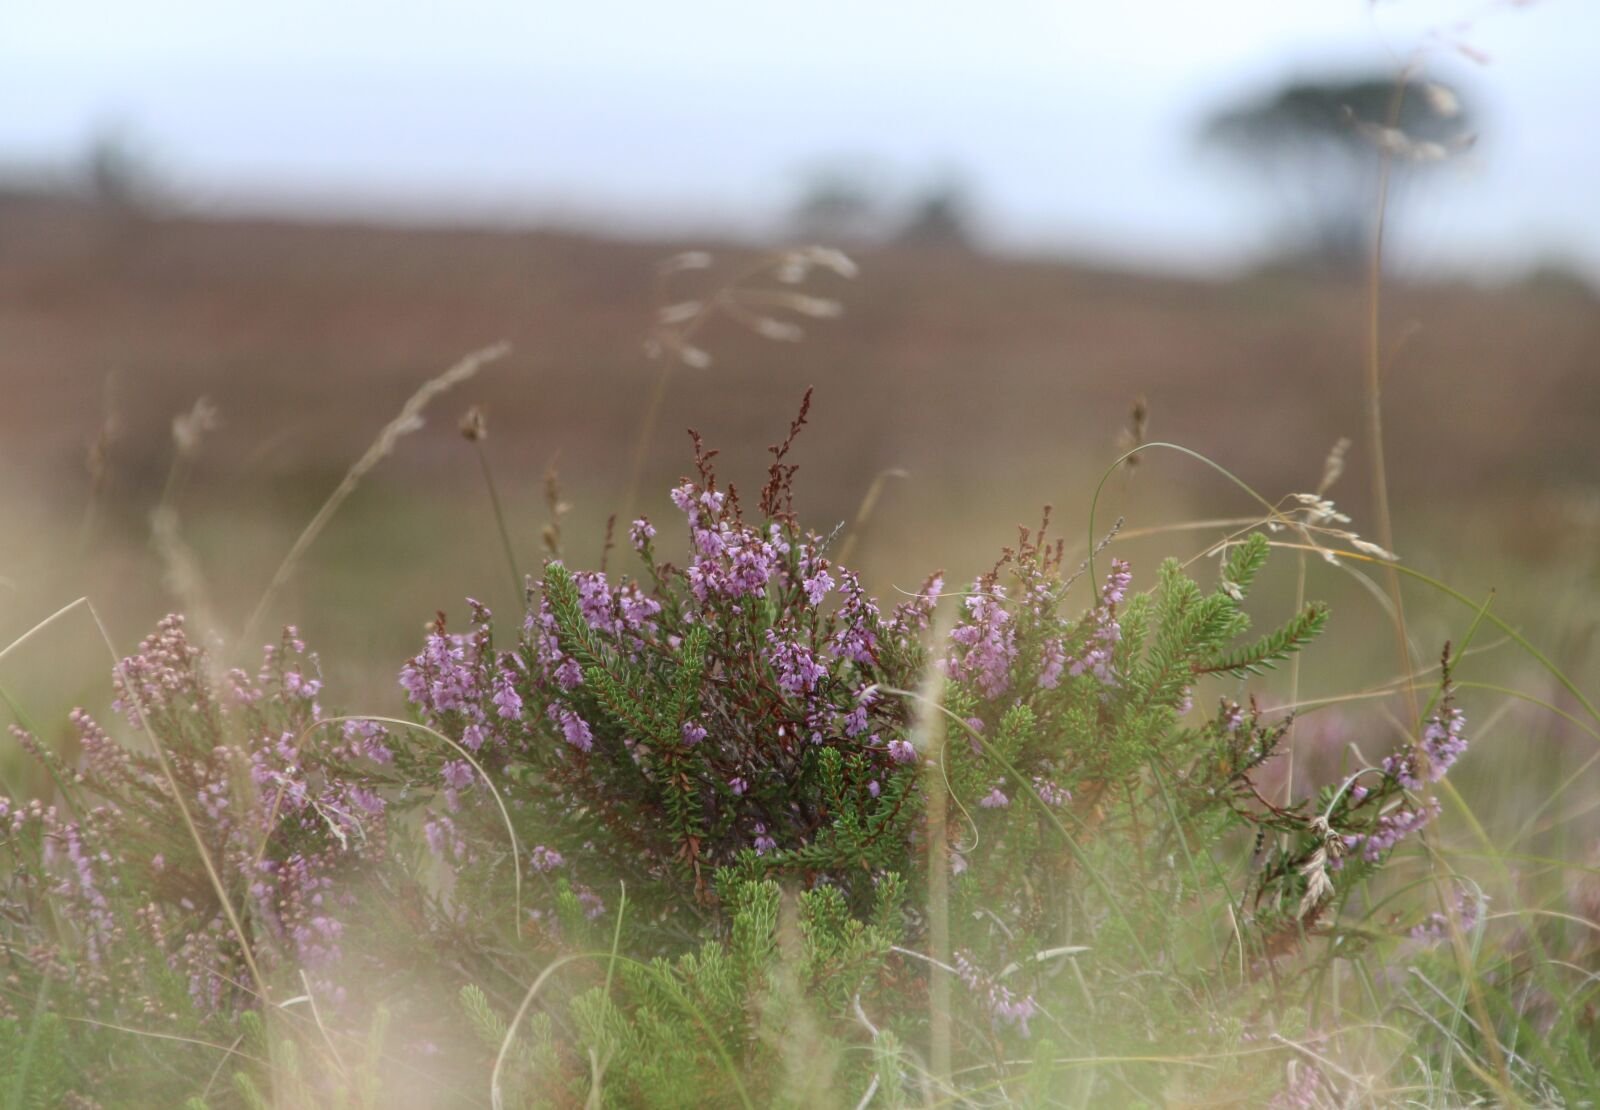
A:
(727, 834)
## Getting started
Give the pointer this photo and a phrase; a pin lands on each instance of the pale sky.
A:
(1070, 121)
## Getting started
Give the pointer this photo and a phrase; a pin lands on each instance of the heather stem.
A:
(500, 520)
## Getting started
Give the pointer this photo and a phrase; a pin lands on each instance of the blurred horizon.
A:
(1064, 133)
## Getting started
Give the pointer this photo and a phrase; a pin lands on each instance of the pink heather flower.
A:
(366, 739)
(797, 668)
(506, 699)
(545, 859)
(738, 785)
(638, 609)
(1055, 661)
(1442, 744)
(873, 788)
(913, 615)
(683, 497)
(901, 751)
(710, 542)
(443, 840)
(367, 800)
(457, 774)
(1390, 829)
(574, 729)
(1436, 926)
(1105, 630)
(855, 721)
(995, 799)
(595, 601)
(593, 905)
(240, 689)
(1005, 1007)
(1304, 1090)
(641, 532)
(763, 842)
(443, 677)
(1049, 793)
(693, 733)
(857, 617)
(1232, 715)
(987, 640)
(569, 675)
(817, 586)
(297, 685)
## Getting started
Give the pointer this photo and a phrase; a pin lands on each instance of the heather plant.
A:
(727, 831)
(710, 735)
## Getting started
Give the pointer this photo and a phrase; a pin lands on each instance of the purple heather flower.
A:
(710, 542)
(574, 729)
(1055, 661)
(693, 733)
(1436, 926)
(873, 788)
(1005, 1007)
(901, 751)
(817, 586)
(763, 842)
(797, 668)
(443, 840)
(987, 640)
(995, 799)
(1105, 630)
(738, 785)
(595, 601)
(855, 721)
(545, 859)
(913, 615)
(683, 497)
(506, 699)
(367, 800)
(443, 677)
(297, 685)
(1390, 829)
(1049, 793)
(1442, 744)
(1232, 716)
(593, 905)
(1116, 587)
(855, 639)
(638, 609)
(457, 774)
(641, 532)
(569, 675)
(366, 739)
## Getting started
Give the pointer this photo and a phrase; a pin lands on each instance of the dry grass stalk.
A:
(928, 738)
